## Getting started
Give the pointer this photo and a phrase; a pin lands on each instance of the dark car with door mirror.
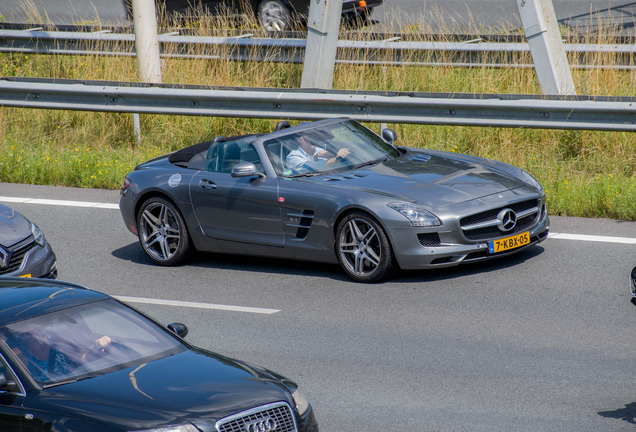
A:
(75, 360)
(332, 191)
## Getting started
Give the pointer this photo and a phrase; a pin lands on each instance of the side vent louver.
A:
(302, 222)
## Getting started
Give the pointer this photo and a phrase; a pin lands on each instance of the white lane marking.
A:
(59, 202)
(593, 238)
(197, 305)
(558, 236)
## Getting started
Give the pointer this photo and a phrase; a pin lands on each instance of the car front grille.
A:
(260, 419)
(523, 223)
(17, 255)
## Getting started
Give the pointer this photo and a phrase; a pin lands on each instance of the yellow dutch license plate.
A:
(508, 243)
(26, 275)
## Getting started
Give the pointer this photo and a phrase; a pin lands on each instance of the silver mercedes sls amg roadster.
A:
(332, 191)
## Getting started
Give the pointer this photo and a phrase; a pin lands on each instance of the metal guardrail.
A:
(245, 47)
(485, 110)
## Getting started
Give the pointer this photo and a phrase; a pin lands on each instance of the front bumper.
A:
(411, 255)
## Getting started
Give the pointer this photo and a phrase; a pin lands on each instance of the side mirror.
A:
(179, 329)
(632, 282)
(246, 169)
(5, 385)
(389, 135)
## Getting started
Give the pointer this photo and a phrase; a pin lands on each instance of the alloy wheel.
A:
(274, 15)
(360, 247)
(160, 231)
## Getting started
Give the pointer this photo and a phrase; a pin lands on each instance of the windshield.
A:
(344, 145)
(86, 340)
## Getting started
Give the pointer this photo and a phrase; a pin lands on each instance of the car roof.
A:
(23, 298)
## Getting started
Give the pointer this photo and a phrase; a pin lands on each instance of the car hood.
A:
(13, 226)
(435, 179)
(195, 385)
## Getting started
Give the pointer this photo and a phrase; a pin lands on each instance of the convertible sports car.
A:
(23, 249)
(332, 191)
(75, 360)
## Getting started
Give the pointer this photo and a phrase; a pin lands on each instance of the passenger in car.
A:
(39, 353)
(308, 157)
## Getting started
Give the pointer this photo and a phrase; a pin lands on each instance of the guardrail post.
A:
(550, 62)
(147, 45)
(323, 25)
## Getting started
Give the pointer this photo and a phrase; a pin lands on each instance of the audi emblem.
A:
(507, 219)
(264, 425)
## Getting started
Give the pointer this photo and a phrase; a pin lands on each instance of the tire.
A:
(363, 248)
(274, 15)
(162, 232)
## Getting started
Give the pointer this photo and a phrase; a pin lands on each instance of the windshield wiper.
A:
(373, 162)
(71, 380)
(311, 174)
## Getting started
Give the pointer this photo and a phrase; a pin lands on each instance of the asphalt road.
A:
(397, 15)
(542, 341)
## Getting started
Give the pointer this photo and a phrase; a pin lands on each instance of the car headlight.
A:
(416, 214)
(38, 235)
(302, 404)
(182, 428)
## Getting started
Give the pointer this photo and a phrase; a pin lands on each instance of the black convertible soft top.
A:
(185, 154)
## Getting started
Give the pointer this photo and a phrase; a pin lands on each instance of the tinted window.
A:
(86, 340)
(223, 156)
(362, 145)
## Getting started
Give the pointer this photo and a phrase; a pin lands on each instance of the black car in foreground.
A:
(73, 359)
(24, 250)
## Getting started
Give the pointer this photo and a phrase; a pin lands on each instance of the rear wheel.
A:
(363, 248)
(162, 232)
(274, 15)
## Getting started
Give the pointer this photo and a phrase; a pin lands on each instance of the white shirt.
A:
(299, 160)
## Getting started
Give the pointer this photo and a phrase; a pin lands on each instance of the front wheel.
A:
(274, 15)
(162, 232)
(363, 248)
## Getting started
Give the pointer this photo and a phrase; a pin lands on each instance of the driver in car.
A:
(308, 157)
(39, 354)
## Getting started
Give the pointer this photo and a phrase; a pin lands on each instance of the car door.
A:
(11, 400)
(244, 209)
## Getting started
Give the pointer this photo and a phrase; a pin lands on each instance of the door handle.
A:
(207, 184)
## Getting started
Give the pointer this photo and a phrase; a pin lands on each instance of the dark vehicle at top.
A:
(75, 360)
(274, 15)
(358, 200)
(24, 250)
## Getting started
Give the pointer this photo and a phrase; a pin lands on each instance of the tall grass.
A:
(585, 173)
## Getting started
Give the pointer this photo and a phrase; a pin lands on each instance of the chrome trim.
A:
(496, 222)
(300, 215)
(4, 258)
(256, 410)
(17, 379)
(24, 260)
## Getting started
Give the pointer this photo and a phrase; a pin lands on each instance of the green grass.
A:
(585, 173)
